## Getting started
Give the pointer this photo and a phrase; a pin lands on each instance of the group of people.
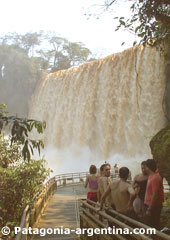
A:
(140, 199)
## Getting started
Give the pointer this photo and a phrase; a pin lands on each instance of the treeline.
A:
(23, 59)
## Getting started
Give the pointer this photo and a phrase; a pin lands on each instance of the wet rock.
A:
(160, 148)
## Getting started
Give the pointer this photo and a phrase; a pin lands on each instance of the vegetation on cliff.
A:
(160, 148)
(165, 214)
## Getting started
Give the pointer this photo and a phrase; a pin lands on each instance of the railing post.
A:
(64, 181)
(55, 180)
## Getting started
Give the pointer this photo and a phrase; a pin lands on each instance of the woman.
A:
(92, 181)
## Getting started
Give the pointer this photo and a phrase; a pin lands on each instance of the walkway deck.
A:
(62, 210)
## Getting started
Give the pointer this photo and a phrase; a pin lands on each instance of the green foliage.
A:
(165, 214)
(167, 200)
(150, 21)
(8, 154)
(18, 186)
(160, 148)
(20, 129)
(20, 181)
(77, 53)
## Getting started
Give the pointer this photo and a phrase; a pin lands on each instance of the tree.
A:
(77, 53)
(30, 40)
(58, 44)
(26, 42)
(63, 54)
(20, 129)
(150, 20)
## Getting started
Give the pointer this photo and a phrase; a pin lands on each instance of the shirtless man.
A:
(102, 170)
(104, 181)
(122, 193)
(139, 184)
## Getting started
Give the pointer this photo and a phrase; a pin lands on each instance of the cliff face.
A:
(160, 147)
(112, 105)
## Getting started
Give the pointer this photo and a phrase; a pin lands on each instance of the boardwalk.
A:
(62, 210)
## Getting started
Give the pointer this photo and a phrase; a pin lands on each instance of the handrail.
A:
(32, 213)
(71, 175)
(117, 219)
(22, 224)
(63, 174)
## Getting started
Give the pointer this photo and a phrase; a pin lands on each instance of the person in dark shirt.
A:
(139, 184)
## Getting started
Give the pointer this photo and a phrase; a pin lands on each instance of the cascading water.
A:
(103, 110)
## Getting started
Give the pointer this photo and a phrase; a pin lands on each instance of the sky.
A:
(68, 19)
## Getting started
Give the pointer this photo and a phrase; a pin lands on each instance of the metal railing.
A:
(32, 213)
(166, 187)
(70, 178)
(90, 217)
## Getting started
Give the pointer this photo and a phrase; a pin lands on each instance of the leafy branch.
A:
(19, 131)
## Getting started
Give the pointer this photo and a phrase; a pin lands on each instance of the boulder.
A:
(160, 148)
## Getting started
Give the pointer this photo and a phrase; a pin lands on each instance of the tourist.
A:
(104, 182)
(92, 181)
(101, 172)
(154, 196)
(122, 193)
(139, 184)
(116, 170)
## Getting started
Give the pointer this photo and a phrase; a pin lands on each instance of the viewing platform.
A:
(63, 210)
(62, 205)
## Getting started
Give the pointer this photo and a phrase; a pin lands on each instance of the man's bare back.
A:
(120, 195)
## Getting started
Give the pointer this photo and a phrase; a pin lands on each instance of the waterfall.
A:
(109, 108)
